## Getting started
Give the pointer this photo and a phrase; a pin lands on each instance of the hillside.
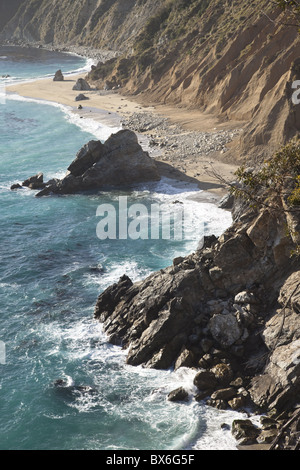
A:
(223, 58)
(230, 59)
(95, 23)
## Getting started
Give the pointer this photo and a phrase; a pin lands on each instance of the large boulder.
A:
(81, 85)
(81, 97)
(58, 77)
(120, 161)
(280, 381)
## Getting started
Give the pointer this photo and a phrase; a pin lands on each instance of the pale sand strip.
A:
(109, 108)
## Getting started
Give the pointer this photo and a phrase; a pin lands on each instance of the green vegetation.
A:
(279, 176)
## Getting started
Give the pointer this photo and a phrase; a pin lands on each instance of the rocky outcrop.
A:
(229, 310)
(58, 77)
(81, 85)
(120, 161)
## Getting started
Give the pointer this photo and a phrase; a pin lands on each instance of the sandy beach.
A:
(186, 144)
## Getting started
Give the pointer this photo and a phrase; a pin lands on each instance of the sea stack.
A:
(120, 161)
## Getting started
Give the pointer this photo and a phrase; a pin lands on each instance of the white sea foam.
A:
(99, 130)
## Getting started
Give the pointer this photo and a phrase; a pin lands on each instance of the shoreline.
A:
(111, 108)
(176, 148)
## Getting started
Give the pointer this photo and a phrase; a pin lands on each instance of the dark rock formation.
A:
(58, 77)
(119, 161)
(230, 310)
(81, 85)
(15, 186)
(180, 394)
(81, 97)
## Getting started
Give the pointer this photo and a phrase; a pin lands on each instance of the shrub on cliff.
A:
(280, 175)
(276, 186)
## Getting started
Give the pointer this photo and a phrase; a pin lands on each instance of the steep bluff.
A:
(95, 23)
(228, 59)
(8, 11)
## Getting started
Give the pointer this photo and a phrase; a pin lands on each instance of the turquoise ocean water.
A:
(52, 269)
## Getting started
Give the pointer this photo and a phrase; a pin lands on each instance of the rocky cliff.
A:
(231, 311)
(227, 59)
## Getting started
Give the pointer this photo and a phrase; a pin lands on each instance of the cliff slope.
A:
(231, 59)
(227, 59)
(95, 23)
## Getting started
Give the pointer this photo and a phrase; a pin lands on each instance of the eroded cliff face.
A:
(227, 59)
(96, 23)
(7, 11)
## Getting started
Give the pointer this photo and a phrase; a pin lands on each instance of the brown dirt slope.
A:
(224, 58)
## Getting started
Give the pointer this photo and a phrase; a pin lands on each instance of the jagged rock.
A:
(58, 77)
(280, 381)
(225, 329)
(81, 85)
(245, 298)
(15, 186)
(244, 431)
(237, 403)
(185, 359)
(172, 313)
(224, 394)
(119, 161)
(180, 394)
(226, 202)
(223, 373)
(34, 182)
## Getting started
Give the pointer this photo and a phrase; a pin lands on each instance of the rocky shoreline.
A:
(231, 312)
(98, 55)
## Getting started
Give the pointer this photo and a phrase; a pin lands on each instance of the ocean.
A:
(53, 266)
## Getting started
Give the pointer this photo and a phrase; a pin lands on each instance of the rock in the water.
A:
(81, 85)
(119, 161)
(205, 380)
(58, 77)
(15, 186)
(34, 182)
(180, 394)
